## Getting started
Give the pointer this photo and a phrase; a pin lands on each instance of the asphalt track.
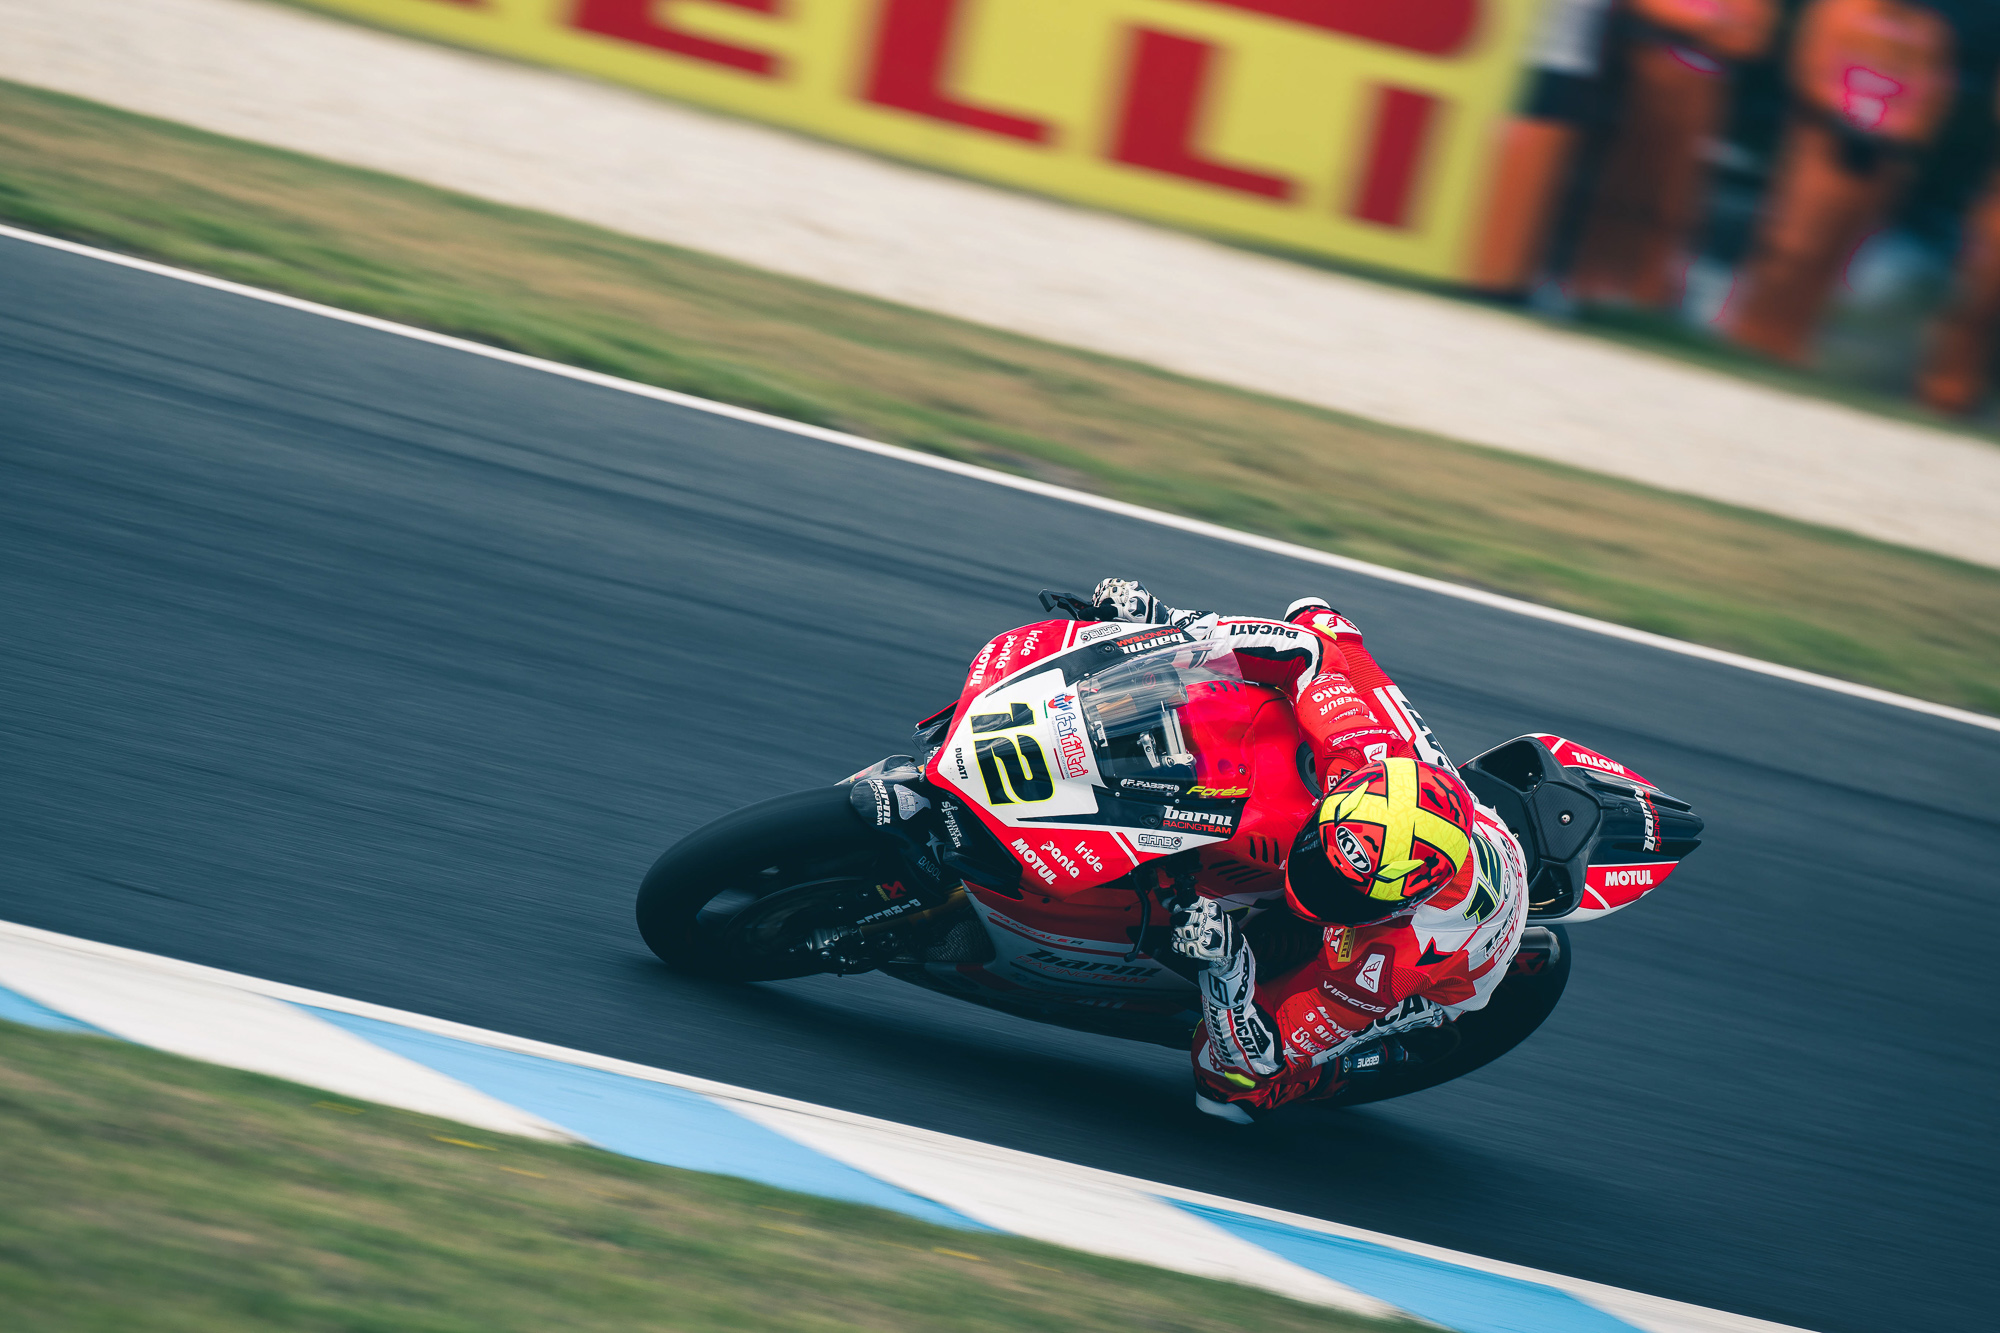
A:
(383, 669)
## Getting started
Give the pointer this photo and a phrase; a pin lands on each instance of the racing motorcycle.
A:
(1092, 778)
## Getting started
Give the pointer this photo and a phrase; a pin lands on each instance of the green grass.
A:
(1806, 596)
(140, 1190)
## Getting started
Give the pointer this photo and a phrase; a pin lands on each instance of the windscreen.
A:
(1133, 711)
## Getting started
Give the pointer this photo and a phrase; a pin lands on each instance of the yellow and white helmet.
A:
(1387, 837)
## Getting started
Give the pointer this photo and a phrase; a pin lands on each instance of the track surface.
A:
(369, 666)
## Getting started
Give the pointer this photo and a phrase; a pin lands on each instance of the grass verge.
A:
(1731, 578)
(141, 1190)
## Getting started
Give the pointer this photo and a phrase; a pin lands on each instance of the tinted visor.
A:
(1319, 891)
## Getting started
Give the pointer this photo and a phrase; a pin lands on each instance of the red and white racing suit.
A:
(1266, 1043)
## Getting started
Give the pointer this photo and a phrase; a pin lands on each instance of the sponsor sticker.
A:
(1569, 753)
(1033, 861)
(1158, 842)
(883, 812)
(1062, 858)
(1197, 821)
(1147, 784)
(951, 828)
(1146, 641)
(1218, 793)
(1072, 750)
(1352, 851)
(1047, 960)
(1353, 1001)
(1617, 886)
(1369, 978)
(977, 675)
(1332, 622)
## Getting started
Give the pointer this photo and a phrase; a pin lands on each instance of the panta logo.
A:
(1369, 978)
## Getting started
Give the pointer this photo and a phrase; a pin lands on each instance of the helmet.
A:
(1387, 837)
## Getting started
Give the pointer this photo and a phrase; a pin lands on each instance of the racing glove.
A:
(1415, 1012)
(1240, 1041)
(1129, 601)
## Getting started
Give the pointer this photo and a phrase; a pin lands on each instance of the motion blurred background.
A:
(1807, 181)
(365, 665)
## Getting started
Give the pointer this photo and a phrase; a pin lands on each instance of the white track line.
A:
(842, 1132)
(1032, 487)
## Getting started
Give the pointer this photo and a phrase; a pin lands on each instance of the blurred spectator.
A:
(1538, 144)
(1871, 82)
(1647, 200)
(1960, 355)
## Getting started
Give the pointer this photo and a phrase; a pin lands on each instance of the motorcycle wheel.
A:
(743, 898)
(1520, 1004)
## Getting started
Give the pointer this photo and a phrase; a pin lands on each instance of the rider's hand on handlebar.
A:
(1206, 934)
(1128, 598)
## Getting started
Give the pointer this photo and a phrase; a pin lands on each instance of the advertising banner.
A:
(1359, 129)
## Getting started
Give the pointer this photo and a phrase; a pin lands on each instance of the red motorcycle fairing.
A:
(1609, 886)
(1027, 751)
(1598, 835)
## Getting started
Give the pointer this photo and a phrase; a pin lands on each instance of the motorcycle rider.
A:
(1419, 893)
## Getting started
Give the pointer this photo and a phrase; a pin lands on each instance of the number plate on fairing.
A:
(1029, 752)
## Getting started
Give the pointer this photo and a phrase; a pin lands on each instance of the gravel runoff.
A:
(650, 168)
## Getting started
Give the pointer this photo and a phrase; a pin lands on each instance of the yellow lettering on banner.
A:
(1361, 129)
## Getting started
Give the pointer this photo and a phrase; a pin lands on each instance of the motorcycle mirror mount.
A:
(1074, 606)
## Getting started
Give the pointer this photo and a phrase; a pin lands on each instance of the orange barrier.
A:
(1362, 129)
(1872, 80)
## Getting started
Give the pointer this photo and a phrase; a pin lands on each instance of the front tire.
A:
(696, 900)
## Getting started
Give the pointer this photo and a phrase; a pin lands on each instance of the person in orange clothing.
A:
(1872, 81)
(1959, 359)
(1648, 195)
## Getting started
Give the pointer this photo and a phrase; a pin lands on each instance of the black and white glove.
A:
(1415, 1012)
(1128, 600)
(1206, 934)
(1241, 1041)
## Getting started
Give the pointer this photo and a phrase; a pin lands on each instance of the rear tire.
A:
(1520, 1004)
(704, 882)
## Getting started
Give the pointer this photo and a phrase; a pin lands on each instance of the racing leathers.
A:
(1317, 658)
(1269, 1040)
